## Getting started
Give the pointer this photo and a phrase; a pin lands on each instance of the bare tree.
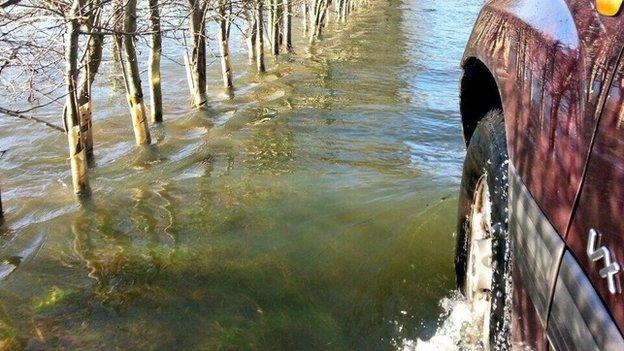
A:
(223, 19)
(251, 28)
(197, 64)
(130, 63)
(77, 156)
(154, 63)
(275, 14)
(259, 37)
(287, 38)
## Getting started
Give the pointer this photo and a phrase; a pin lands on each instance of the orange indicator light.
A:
(608, 7)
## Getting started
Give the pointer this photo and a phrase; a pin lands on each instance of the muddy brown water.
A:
(314, 209)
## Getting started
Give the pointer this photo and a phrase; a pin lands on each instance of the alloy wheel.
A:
(480, 269)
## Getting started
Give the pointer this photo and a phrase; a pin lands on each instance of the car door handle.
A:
(608, 7)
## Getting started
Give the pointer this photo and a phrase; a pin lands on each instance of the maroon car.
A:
(541, 210)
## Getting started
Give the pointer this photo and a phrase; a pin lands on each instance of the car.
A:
(540, 235)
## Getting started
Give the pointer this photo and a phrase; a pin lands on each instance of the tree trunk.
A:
(322, 20)
(315, 19)
(320, 12)
(117, 19)
(134, 92)
(77, 156)
(188, 69)
(269, 29)
(226, 64)
(340, 7)
(288, 25)
(344, 10)
(259, 37)
(94, 59)
(275, 27)
(198, 56)
(154, 63)
(305, 10)
(250, 34)
(1, 212)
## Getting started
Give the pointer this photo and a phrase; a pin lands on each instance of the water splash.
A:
(457, 331)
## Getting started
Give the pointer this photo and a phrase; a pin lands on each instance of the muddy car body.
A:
(554, 71)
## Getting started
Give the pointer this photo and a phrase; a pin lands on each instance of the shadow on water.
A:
(313, 208)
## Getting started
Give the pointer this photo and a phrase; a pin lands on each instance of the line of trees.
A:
(52, 50)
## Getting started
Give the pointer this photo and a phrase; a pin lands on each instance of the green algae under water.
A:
(314, 209)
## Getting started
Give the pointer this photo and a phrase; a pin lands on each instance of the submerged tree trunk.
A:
(134, 92)
(339, 9)
(117, 20)
(320, 12)
(323, 18)
(344, 10)
(275, 26)
(156, 108)
(92, 65)
(287, 25)
(314, 20)
(250, 34)
(197, 64)
(1, 210)
(259, 37)
(304, 14)
(77, 157)
(226, 64)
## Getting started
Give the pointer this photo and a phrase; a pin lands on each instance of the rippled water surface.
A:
(314, 209)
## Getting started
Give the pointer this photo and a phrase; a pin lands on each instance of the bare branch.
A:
(30, 118)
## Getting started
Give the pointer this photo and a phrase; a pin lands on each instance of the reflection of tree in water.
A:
(210, 296)
(107, 239)
(249, 282)
(218, 292)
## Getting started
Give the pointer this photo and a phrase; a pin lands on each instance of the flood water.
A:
(314, 209)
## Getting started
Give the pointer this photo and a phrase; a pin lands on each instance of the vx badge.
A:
(611, 268)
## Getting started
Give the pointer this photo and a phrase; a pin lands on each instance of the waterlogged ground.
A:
(315, 209)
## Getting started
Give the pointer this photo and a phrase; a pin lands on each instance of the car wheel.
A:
(482, 262)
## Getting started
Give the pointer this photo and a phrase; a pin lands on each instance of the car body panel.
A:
(601, 203)
(537, 77)
(527, 331)
(535, 264)
(536, 245)
(579, 319)
(550, 59)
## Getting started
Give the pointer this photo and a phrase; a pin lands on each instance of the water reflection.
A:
(313, 209)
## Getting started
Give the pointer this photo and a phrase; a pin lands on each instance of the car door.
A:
(587, 310)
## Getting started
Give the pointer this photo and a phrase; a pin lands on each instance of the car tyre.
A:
(482, 258)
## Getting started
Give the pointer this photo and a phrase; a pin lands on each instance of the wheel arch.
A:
(479, 94)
